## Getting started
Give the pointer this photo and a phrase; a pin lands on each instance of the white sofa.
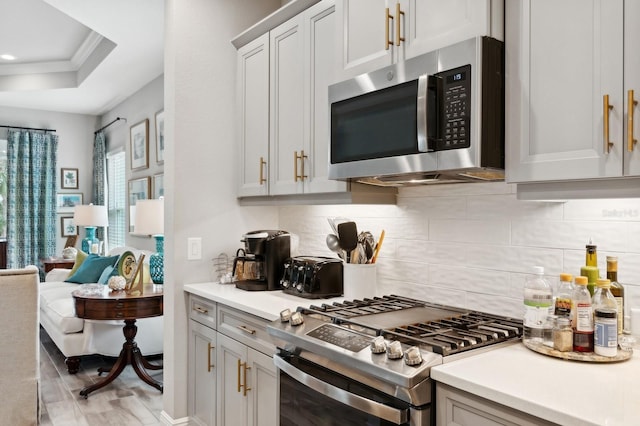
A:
(20, 347)
(75, 336)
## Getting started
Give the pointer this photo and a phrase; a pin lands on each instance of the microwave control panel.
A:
(456, 108)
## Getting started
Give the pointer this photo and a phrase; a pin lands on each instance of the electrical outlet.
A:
(194, 248)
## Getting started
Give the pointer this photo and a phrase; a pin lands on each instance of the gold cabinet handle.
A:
(387, 18)
(300, 157)
(209, 348)
(243, 385)
(246, 329)
(262, 164)
(200, 310)
(606, 109)
(399, 13)
(631, 103)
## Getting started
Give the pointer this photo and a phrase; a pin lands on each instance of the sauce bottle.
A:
(590, 270)
(582, 316)
(617, 290)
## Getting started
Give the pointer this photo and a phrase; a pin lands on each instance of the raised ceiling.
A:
(78, 56)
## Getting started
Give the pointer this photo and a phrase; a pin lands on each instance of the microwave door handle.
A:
(373, 408)
(427, 83)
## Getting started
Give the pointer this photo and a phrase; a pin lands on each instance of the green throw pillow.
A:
(80, 257)
(91, 269)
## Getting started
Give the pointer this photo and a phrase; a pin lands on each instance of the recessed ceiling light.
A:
(7, 57)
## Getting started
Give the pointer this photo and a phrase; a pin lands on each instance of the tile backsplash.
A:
(472, 245)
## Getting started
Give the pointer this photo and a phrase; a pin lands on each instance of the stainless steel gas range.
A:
(368, 362)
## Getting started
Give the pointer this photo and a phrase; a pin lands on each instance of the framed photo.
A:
(139, 149)
(158, 185)
(160, 137)
(139, 189)
(67, 227)
(68, 178)
(67, 201)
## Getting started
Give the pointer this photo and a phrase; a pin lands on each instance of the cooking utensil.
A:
(377, 249)
(348, 235)
(334, 245)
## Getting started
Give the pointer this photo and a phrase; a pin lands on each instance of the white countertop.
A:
(264, 304)
(560, 391)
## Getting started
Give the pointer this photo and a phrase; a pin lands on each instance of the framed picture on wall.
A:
(158, 185)
(67, 201)
(160, 137)
(68, 227)
(68, 178)
(139, 149)
(139, 189)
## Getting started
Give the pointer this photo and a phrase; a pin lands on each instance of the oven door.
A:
(313, 395)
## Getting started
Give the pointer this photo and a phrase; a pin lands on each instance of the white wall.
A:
(200, 166)
(471, 245)
(142, 105)
(75, 146)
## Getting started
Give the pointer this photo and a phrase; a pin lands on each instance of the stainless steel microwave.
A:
(438, 117)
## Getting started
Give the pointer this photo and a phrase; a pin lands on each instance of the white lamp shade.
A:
(149, 217)
(90, 215)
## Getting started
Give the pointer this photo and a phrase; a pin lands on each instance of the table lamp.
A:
(90, 217)
(149, 220)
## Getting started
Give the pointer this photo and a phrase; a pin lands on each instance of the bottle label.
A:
(606, 334)
(536, 316)
(563, 306)
(620, 303)
(584, 317)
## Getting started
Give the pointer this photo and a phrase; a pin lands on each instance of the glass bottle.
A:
(538, 306)
(563, 335)
(582, 317)
(617, 290)
(590, 270)
(605, 323)
(564, 296)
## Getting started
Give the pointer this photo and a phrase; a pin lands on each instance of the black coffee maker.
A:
(260, 264)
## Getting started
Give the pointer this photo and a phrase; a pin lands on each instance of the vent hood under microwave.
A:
(435, 118)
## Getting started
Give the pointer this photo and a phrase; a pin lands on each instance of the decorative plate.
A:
(126, 265)
(578, 356)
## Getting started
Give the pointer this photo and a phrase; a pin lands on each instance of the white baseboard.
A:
(166, 420)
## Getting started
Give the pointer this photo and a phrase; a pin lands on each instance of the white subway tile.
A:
(497, 305)
(616, 210)
(514, 259)
(433, 208)
(507, 206)
(470, 279)
(562, 234)
(473, 231)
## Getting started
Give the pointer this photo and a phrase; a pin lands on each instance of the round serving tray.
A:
(578, 356)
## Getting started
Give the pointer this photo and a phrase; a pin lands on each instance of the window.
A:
(3, 189)
(117, 198)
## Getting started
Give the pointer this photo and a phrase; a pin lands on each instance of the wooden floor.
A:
(126, 401)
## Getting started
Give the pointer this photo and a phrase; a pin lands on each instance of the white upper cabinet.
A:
(376, 33)
(287, 103)
(632, 88)
(253, 116)
(568, 82)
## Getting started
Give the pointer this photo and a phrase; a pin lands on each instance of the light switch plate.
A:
(194, 248)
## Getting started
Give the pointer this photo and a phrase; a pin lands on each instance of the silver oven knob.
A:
(285, 315)
(296, 318)
(378, 345)
(412, 356)
(394, 350)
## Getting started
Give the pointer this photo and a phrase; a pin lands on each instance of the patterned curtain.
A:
(31, 197)
(100, 176)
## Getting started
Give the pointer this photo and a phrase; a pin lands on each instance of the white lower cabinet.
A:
(232, 378)
(455, 407)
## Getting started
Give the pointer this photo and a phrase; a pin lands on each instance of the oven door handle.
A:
(373, 408)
